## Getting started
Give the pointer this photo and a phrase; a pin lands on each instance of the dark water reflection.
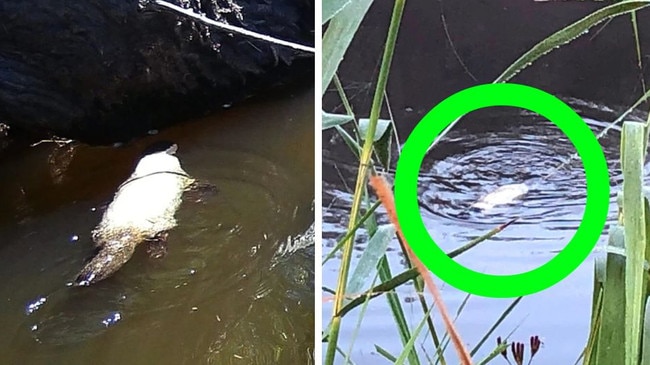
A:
(215, 297)
(484, 151)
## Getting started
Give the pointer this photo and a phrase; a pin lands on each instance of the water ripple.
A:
(469, 164)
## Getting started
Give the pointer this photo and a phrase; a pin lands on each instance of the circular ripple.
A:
(475, 159)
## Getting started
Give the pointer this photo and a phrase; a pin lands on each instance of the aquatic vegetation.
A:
(518, 350)
(619, 329)
(377, 134)
(371, 141)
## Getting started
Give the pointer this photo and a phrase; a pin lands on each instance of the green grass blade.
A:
(397, 310)
(383, 147)
(351, 142)
(594, 330)
(495, 325)
(496, 352)
(338, 349)
(635, 236)
(591, 347)
(370, 257)
(383, 352)
(408, 348)
(330, 120)
(351, 232)
(331, 59)
(338, 36)
(380, 289)
(355, 332)
(471, 244)
(332, 7)
(611, 327)
(645, 349)
(569, 34)
(380, 130)
(371, 224)
(637, 44)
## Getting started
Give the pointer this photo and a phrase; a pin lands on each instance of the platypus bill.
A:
(142, 209)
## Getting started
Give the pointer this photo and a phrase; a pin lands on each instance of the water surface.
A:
(221, 294)
(487, 149)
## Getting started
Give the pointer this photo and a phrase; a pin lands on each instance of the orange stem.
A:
(385, 195)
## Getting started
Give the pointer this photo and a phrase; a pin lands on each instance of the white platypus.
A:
(142, 210)
(506, 194)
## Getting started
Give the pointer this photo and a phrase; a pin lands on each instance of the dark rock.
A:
(102, 71)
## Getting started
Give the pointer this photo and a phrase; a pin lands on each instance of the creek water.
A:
(220, 295)
(485, 150)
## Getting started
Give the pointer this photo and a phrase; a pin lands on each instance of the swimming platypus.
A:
(142, 210)
(505, 194)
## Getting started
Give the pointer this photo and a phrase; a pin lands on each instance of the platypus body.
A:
(142, 210)
(506, 194)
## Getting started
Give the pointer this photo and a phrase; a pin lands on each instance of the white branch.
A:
(232, 28)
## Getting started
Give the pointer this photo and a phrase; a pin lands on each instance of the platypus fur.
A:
(142, 209)
(505, 194)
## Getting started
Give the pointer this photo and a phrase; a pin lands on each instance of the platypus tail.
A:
(104, 264)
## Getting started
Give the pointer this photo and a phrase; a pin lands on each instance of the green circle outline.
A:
(583, 140)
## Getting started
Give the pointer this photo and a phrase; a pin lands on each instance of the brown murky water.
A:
(219, 296)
